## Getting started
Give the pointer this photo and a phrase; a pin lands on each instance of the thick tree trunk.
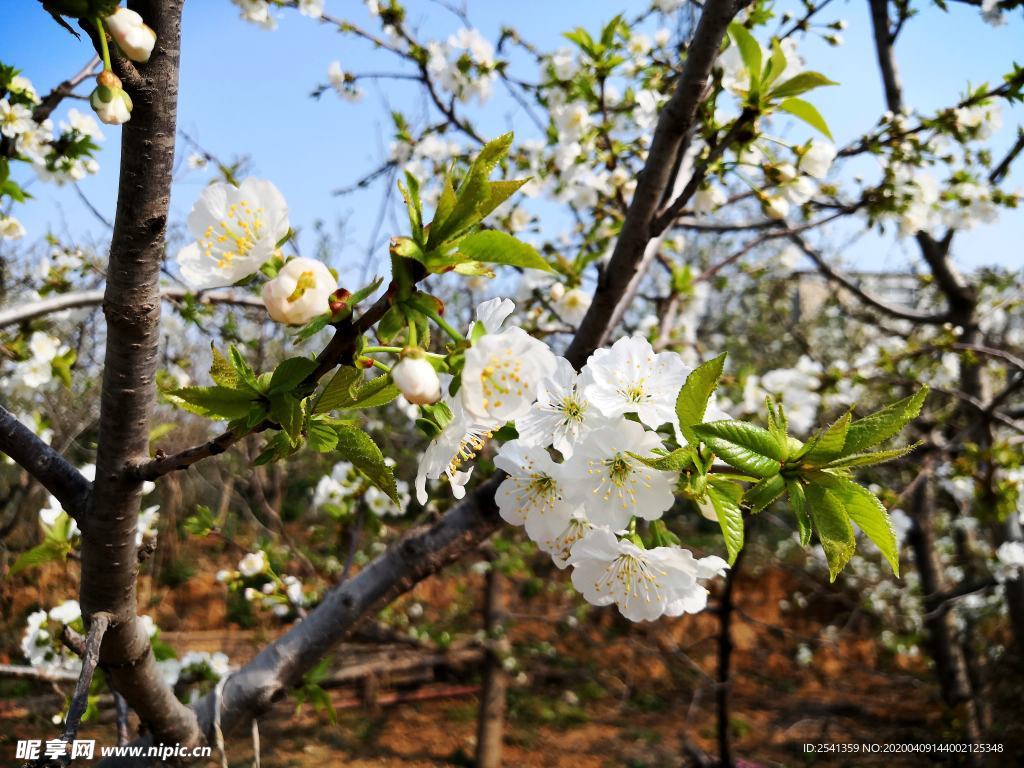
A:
(131, 305)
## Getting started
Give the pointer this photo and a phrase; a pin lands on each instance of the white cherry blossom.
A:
(631, 378)
(236, 229)
(612, 486)
(299, 292)
(502, 372)
(645, 584)
(534, 494)
(561, 415)
(131, 34)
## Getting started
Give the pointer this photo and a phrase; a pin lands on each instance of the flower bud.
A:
(416, 378)
(109, 101)
(131, 34)
(300, 292)
(338, 301)
(557, 291)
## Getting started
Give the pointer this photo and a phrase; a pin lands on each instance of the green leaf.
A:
(692, 401)
(286, 410)
(750, 52)
(290, 373)
(473, 194)
(833, 526)
(373, 394)
(245, 372)
(676, 461)
(875, 457)
(870, 515)
(340, 389)
(358, 448)
(215, 402)
(883, 424)
(498, 192)
(776, 65)
(764, 493)
(725, 498)
(829, 443)
(221, 371)
(807, 112)
(493, 247)
(801, 83)
(47, 552)
(798, 500)
(321, 437)
(744, 446)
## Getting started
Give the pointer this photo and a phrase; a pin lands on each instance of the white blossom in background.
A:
(253, 563)
(463, 65)
(11, 228)
(236, 229)
(314, 9)
(342, 83)
(382, 505)
(818, 158)
(707, 199)
(256, 12)
(15, 119)
(84, 123)
(299, 292)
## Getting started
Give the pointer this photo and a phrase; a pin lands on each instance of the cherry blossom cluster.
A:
(598, 422)
(282, 594)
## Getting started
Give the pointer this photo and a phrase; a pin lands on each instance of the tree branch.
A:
(674, 126)
(80, 699)
(52, 470)
(79, 299)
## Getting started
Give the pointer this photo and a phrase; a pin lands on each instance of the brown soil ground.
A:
(602, 693)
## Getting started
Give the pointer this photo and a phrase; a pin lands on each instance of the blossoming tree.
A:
(598, 415)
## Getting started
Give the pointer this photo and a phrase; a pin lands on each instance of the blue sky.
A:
(245, 91)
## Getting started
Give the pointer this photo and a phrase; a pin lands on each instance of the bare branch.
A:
(50, 101)
(866, 298)
(98, 624)
(79, 299)
(52, 470)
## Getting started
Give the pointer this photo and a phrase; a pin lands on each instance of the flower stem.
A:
(396, 351)
(377, 364)
(103, 42)
(441, 322)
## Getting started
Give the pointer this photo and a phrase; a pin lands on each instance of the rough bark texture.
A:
(45, 465)
(131, 305)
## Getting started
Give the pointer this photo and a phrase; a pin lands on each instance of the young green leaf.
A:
(493, 247)
(875, 457)
(47, 552)
(692, 401)
(215, 402)
(286, 410)
(801, 83)
(676, 461)
(807, 112)
(221, 371)
(764, 493)
(870, 515)
(828, 443)
(244, 370)
(290, 373)
(744, 446)
(725, 498)
(750, 53)
(321, 437)
(340, 389)
(833, 526)
(883, 424)
(358, 448)
(798, 501)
